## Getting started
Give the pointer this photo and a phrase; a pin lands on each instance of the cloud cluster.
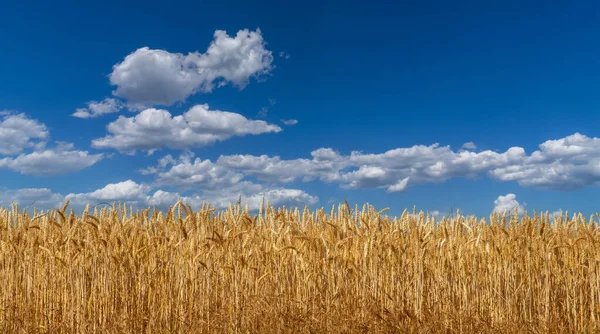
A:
(19, 132)
(150, 77)
(153, 129)
(564, 164)
(143, 195)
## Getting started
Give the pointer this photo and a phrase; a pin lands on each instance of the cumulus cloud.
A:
(398, 168)
(63, 159)
(569, 163)
(393, 170)
(221, 184)
(158, 77)
(96, 109)
(18, 132)
(153, 129)
(325, 165)
(508, 203)
(122, 191)
(255, 194)
(27, 198)
(142, 195)
(198, 174)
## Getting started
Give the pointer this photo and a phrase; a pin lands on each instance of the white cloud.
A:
(422, 164)
(222, 182)
(17, 132)
(198, 174)
(142, 195)
(394, 170)
(122, 191)
(469, 146)
(153, 129)
(28, 198)
(158, 77)
(96, 109)
(367, 177)
(50, 162)
(554, 167)
(290, 122)
(400, 186)
(254, 194)
(325, 166)
(569, 163)
(508, 203)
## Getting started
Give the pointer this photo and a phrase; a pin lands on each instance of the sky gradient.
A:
(477, 106)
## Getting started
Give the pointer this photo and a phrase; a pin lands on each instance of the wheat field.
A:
(295, 271)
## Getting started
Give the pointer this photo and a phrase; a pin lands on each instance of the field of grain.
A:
(343, 271)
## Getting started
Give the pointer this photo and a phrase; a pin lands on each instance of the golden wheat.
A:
(206, 271)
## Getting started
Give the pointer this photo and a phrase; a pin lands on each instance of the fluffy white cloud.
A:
(96, 109)
(325, 166)
(508, 203)
(197, 174)
(569, 163)
(17, 132)
(142, 195)
(394, 170)
(153, 129)
(60, 160)
(158, 77)
(397, 168)
(27, 198)
(255, 194)
(565, 164)
(127, 191)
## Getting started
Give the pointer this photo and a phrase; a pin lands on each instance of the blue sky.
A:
(304, 103)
